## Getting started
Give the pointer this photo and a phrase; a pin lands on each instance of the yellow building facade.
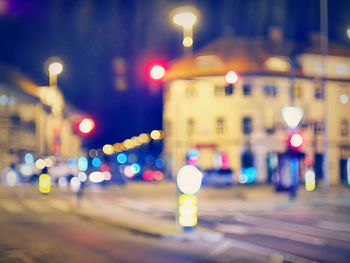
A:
(199, 112)
(28, 125)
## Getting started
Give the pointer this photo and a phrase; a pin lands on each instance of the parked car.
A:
(217, 177)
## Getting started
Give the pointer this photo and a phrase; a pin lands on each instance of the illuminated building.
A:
(28, 125)
(246, 123)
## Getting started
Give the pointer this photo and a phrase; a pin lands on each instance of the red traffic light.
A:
(86, 126)
(231, 77)
(295, 141)
(156, 71)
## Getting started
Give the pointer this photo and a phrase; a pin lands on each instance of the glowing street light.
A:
(189, 179)
(186, 17)
(54, 67)
(231, 77)
(157, 72)
(86, 126)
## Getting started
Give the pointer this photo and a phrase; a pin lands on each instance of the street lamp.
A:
(55, 67)
(186, 17)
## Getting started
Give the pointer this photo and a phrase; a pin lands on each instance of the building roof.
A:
(245, 56)
(333, 49)
(17, 83)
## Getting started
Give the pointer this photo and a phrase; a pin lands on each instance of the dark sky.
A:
(89, 35)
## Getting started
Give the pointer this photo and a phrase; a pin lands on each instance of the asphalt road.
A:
(33, 233)
(257, 226)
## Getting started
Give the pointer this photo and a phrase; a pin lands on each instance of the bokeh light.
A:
(122, 158)
(296, 140)
(189, 179)
(344, 99)
(136, 168)
(82, 176)
(108, 149)
(86, 126)
(96, 177)
(29, 158)
(40, 164)
(157, 72)
(83, 163)
(75, 184)
(231, 77)
(96, 162)
(93, 153)
(144, 138)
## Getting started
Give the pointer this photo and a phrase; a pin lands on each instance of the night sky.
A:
(91, 35)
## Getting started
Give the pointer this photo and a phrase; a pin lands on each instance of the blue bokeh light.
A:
(96, 162)
(159, 163)
(122, 158)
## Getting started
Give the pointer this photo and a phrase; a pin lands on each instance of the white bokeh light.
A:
(189, 179)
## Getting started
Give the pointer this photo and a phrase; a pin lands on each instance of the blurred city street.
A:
(137, 223)
(174, 131)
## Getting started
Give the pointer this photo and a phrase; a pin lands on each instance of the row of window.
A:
(269, 91)
(247, 127)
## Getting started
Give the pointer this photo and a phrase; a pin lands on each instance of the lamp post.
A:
(186, 17)
(55, 67)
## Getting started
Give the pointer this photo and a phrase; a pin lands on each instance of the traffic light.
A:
(156, 71)
(295, 141)
(86, 126)
(231, 78)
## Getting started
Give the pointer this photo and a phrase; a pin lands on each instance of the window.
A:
(220, 125)
(190, 126)
(191, 91)
(269, 121)
(247, 125)
(247, 89)
(319, 92)
(318, 127)
(344, 127)
(297, 91)
(219, 91)
(270, 90)
(247, 159)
